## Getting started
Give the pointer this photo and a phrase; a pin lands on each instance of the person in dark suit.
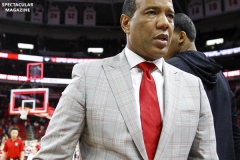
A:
(133, 106)
(183, 54)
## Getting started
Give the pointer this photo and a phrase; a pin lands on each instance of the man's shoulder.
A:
(19, 140)
(98, 62)
(174, 68)
(96, 66)
(9, 140)
(6, 141)
(16, 140)
(179, 63)
(176, 61)
(173, 59)
(181, 72)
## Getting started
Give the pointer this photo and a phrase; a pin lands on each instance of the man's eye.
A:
(171, 16)
(151, 12)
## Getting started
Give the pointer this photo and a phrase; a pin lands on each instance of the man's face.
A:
(151, 28)
(14, 134)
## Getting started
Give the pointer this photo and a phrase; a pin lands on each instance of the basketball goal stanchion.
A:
(23, 112)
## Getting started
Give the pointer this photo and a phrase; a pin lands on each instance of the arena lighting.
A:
(95, 50)
(24, 57)
(3, 55)
(228, 74)
(44, 80)
(223, 52)
(214, 41)
(232, 73)
(25, 46)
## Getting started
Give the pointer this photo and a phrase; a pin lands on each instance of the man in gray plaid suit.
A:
(100, 107)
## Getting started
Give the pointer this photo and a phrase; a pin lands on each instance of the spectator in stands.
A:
(102, 107)
(6, 129)
(1, 130)
(15, 119)
(27, 123)
(13, 147)
(2, 119)
(10, 124)
(4, 139)
(183, 54)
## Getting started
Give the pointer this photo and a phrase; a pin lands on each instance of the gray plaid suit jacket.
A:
(98, 109)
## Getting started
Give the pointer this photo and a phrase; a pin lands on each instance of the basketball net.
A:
(23, 112)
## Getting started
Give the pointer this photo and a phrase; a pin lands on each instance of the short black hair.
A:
(183, 23)
(13, 128)
(129, 7)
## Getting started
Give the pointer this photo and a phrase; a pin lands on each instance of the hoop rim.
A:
(25, 108)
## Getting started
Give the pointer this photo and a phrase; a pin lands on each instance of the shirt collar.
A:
(13, 140)
(134, 59)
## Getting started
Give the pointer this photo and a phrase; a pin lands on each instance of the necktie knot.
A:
(146, 66)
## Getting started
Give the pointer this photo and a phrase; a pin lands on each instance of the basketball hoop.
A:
(23, 112)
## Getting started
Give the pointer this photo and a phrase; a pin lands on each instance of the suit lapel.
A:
(172, 96)
(118, 74)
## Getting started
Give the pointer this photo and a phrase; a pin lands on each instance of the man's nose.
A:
(162, 22)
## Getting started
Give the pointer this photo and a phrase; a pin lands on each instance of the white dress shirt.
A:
(136, 74)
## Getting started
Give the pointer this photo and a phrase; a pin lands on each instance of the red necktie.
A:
(150, 110)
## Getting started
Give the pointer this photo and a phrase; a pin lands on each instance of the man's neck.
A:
(189, 47)
(13, 139)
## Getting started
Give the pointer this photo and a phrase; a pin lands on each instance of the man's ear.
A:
(182, 36)
(125, 23)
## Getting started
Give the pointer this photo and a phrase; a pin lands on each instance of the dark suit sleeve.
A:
(236, 128)
(180, 64)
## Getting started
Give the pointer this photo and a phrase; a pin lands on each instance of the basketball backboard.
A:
(34, 99)
(35, 71)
